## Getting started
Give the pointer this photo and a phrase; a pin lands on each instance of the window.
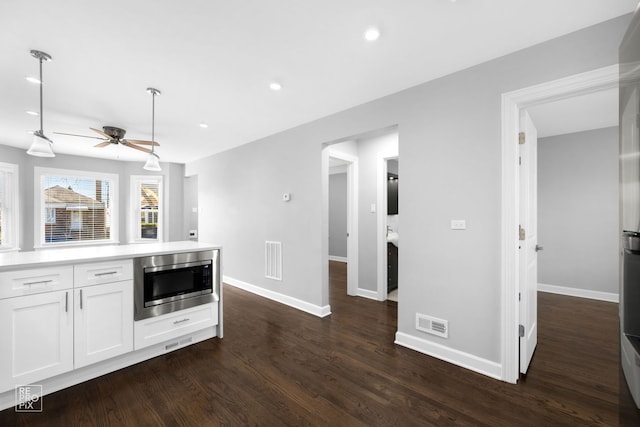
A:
(75, 207)
(146, 200)
(8, 207)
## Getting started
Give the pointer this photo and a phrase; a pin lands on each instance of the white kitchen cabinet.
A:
(37, 338)
(103, 322)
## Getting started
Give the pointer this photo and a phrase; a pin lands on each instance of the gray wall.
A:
(578, 210)
(173, 174)
(338, 215)
(369, 152)
(450, 148)
(190, 202)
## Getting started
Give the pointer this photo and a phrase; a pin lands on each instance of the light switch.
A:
(194, 210)
(286, 197)
(373, 208)
(458, 224)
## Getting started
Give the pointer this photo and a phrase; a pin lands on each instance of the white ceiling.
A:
(213, 60)
(581, 113)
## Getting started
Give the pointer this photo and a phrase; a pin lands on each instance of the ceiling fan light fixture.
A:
(41, 145)
(153, 163)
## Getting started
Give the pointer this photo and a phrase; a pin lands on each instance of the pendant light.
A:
(41, 145)
(153, 160)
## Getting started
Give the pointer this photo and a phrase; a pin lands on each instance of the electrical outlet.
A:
(458, 224)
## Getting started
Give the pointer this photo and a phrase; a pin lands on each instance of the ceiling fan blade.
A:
(128, 144)
(103, 144)
(101, 133)
(142, 142)
(73, 134)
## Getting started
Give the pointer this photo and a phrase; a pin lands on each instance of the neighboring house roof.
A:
(66, 197)
(148, 197)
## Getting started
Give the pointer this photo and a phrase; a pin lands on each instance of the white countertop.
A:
(48, 257)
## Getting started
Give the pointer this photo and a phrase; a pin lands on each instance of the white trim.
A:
(352, 217)
(11, 219)
(337, 258)
(366, 293)
(316, 310)
(512, 103)
(581, 293)
(448, 354)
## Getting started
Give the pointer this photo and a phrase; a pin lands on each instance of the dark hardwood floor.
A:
(279, 366)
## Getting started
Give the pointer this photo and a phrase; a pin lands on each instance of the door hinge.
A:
(521, 331)
(520, 160)
(521, 233)
(519, 296)
(521, 138)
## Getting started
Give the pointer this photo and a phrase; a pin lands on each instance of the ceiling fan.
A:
(115, 135)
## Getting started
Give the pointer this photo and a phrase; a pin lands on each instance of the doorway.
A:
(342, 206)
(391, 227)
(513, 103)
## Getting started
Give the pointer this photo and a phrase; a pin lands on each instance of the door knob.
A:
(539, 248)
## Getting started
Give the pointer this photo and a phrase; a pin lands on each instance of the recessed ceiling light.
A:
(204, 125)
(32, 113)
(275, 86)
(32, 80)
(372, 34)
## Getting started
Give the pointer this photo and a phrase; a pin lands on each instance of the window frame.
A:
(39, 216)
(11, 217)
(135, 230)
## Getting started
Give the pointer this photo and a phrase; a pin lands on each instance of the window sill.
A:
(75, 244)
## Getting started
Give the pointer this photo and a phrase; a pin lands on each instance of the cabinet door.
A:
(37, 338)
(103, 319)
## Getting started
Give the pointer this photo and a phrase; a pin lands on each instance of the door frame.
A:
(352, 216)
(512, 103)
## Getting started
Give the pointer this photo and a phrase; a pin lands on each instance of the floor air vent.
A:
(273, 260)
(432, 325)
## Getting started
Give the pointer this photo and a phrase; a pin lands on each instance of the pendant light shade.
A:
(41, 145)
(153, 160)
(153, 163)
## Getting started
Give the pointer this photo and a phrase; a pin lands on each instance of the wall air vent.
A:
(432, 325)
(273, 260)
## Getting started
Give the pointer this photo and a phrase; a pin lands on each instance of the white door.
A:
(37, 338)
(528, 242)
(103, 322)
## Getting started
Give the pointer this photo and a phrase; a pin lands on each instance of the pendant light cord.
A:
(41, 83)
(153, 120)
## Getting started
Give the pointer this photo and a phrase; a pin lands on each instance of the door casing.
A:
(512, 103)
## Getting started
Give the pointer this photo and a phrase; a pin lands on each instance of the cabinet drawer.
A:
(162, 328)
(35, 281)
(102, 272)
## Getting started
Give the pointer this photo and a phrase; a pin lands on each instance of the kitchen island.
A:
(67, 314)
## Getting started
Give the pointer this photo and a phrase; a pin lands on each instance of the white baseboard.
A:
(582, 293)
(337, 258)
(457, 357)
(316, 310)
(366, 293)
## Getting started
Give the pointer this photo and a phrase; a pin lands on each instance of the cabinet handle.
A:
(105, 273)
(186, 319)
(80, 299)
(38, 282)
(66, 302)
